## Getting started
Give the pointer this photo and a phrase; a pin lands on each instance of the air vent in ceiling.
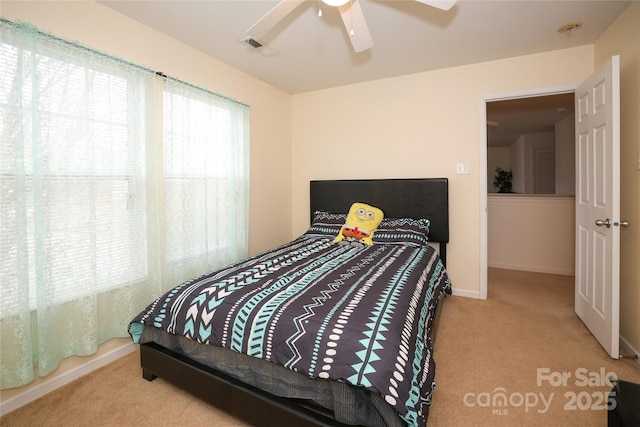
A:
(250, 41)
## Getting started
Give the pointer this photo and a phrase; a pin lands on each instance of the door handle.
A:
(606, 222)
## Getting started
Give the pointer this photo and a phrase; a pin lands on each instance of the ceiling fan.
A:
(350, 11)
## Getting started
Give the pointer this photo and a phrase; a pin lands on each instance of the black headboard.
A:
(398, 198)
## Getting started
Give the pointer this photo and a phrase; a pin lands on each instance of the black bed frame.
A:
(413, 198)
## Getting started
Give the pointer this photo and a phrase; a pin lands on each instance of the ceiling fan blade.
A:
(275, 15)
(356, 26)
(440, 4)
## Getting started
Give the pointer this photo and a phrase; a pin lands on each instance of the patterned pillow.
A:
(326, 224)
(402, 231)
(391, 231)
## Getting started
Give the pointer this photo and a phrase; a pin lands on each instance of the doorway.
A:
(483, 169)
(528, 136)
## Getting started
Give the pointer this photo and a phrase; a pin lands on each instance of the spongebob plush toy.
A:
(360, 225)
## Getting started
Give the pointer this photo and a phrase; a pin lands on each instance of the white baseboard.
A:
(628, 350)
(465, 293)
(534, 269)
(64, 378)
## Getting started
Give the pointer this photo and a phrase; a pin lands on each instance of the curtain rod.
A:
(193, 86)
(35, 29)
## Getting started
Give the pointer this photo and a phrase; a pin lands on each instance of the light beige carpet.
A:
(484, 350)
(487, 347)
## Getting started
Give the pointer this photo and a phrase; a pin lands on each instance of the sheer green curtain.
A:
(206, 182)
(79, 255)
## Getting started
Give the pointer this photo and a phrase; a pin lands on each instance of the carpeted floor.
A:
(493, 348)
(497, 365)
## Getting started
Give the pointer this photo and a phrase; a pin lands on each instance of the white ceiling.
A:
(313, 53)
(507, 120)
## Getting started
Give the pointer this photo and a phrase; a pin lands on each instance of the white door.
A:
(544, 171)
(597, 287)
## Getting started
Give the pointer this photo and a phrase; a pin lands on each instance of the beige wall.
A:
(418, 125)
(101, 28)
(623, 38)
(565, 156)
(532, 233)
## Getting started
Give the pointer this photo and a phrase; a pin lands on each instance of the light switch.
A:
(462, 168)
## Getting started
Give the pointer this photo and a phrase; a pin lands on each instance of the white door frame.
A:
(482, 170)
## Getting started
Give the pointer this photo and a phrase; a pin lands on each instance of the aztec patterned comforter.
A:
(351, 314)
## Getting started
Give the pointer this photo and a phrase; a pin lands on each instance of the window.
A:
(73, 172)
(206, 180)
(99, 216)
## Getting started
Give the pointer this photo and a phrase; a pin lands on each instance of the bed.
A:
(304, 334)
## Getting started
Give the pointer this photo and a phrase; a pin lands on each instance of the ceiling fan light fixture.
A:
(335, 2)
(568, 29)
(350, 11)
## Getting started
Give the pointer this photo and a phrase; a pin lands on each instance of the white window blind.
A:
(206, 149)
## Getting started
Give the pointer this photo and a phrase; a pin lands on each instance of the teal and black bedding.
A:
(357, 316)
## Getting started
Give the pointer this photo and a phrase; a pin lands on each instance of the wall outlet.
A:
(462, 168)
